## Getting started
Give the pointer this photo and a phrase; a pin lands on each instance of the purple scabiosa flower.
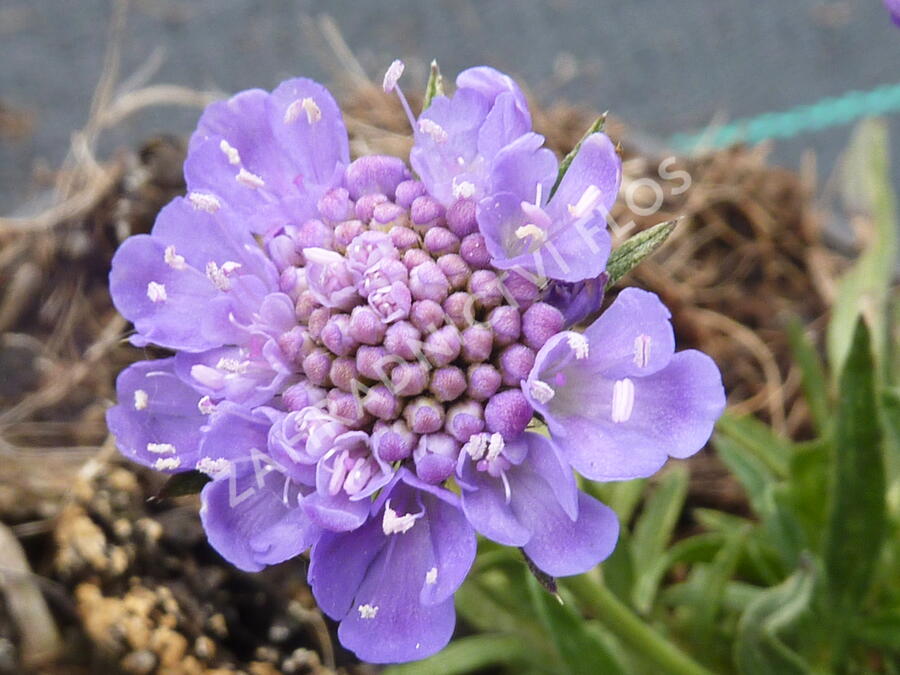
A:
(348, 339)
(618, 400)
(893, 7)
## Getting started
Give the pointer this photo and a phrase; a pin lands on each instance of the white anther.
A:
(476, 446)
(230, 365)
(292, 113)
(495, 446)
(161, 448)
(463, 190)
(312, 110)
(541, 391)
(433, 129)
(251, 180)
(140, 399)
(219, 276)
(394, 524)
(642, 351)
(167, 463)
(533, 231)
(156, 292)
(367, 611)
(578, 344)
(622, 400)
(394, 71)
(213, 467)
(231, 152)
(431, 576)
(203, 201)
(173, 260)
(206, 406)
(586, 203)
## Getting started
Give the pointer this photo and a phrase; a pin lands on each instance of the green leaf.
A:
(753, 475)
(181, 484)
(635, 249)
(815, 384)
(567, 160)
(882, 630)
(761, 647)
(579, 650)
(622, 497)
(434, 86)
(468, 654)
(856, 523)
(865, 287)
(652, 533)
(760, 440)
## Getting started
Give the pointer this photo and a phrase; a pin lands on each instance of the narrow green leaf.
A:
(865, 287)
(635, 249)
(759, 439)
(567, 160)
(579, 650)
(882, 630)
(761, 647)
(856, 523)
(652, 533)
(815, 384)
(468, 654)
(753, 475)
(434, 86)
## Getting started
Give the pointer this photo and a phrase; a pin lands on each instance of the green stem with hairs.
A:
(630, 629)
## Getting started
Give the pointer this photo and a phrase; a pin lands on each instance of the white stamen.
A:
(507, 491)
(431, 576)
(230, 365)
(140, 399)
(219, 276)
(394, 524)
(464, 190)
(312, 110)
(538, 194)
(622, 400)
(206, 406)
(476, 446)
(292, 113)
(495, 446)
(586, 203)
(394, 71)
(532, 231)
(203, 201)
(213, 467)
(251, 180)
(433, 129)
(166, 463)
(173, 260)
(231, 152)
(156, 292)
(367, 611)
(161, 448)
(579, 344)
(461, 160)
(642, 351)
(541, 391)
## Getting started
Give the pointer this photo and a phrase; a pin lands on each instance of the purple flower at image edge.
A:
(893, 7)
(349, 339)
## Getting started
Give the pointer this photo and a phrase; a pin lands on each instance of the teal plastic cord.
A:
(828, 112)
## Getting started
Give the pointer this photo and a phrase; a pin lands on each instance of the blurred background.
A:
(664, 67)
(786, 235)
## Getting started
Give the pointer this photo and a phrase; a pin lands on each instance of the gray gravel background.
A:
(663, 66)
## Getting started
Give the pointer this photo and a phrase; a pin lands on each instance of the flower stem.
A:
(630, 629)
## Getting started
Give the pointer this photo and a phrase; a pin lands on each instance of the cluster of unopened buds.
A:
(376, 363)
